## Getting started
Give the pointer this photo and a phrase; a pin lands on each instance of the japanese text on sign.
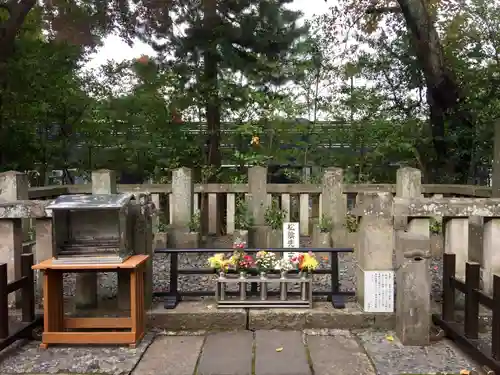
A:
(379, 291)
(291, 236)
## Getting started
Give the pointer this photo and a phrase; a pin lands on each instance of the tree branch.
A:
(382, 10)
(9, 28)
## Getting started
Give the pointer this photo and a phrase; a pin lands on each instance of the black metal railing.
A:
(27, 286)
(174, 295)
(467, 336)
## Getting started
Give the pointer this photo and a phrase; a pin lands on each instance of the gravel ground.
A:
(161, 267)
(27, 358)
(390, 357)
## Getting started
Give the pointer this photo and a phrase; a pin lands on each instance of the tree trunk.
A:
(16, 14)
(210, 84)
(444, 96)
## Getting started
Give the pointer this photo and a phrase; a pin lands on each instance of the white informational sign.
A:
(379, 291)
(291, 237)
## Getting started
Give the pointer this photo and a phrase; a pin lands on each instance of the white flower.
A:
(284, 264)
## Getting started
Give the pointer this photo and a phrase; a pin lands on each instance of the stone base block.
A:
(322, 315)
(204, 316)
(184, 240)
(275, 238)
(321, 239)
(197, 316)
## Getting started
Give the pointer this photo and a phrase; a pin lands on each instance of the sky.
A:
(115, 49)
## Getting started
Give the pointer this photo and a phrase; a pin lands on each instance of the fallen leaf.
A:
(389, 338)
(279, 349)
(464, 372)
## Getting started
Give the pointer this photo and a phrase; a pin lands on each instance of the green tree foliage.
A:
(252, 39)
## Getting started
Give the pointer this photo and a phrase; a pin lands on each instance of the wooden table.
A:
(55, 323)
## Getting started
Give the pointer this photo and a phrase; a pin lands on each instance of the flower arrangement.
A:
(296, 259)
(309, 262)
(219, 262)
(304, 261)
(265, 260)
(284, 265)
(239, 244)
(245, 263)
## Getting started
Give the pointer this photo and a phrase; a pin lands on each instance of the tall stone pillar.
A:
(408, 185)
(334, 204)
(376, 243)
(258, 203)
(182, 205)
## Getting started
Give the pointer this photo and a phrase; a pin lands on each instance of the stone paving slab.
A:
(28, 358)
(390, 357)
(338, 354)
(171, 355)
(227, 353)
(289, 359)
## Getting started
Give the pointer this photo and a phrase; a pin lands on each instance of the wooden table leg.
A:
(133, 304)
(53, 303)
(137, 303)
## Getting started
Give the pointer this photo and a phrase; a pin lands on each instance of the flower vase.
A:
(222, 290)
(283, 288)
(263, 286)
(243, 286)
(303, 285)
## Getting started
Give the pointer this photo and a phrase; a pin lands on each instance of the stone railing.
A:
(302, 201)
(401, 225)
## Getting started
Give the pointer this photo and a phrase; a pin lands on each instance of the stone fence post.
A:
(408, 185)
(413, 288)
(490, 261)
(334, 204)
(13, 187)
(182, 207)
(257, 188)
(44, 247)
(103, 182)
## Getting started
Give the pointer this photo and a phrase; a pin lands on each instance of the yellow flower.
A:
(234, 259)
(216, 260)
(224, 264)
(309, 262)
(255, 140)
